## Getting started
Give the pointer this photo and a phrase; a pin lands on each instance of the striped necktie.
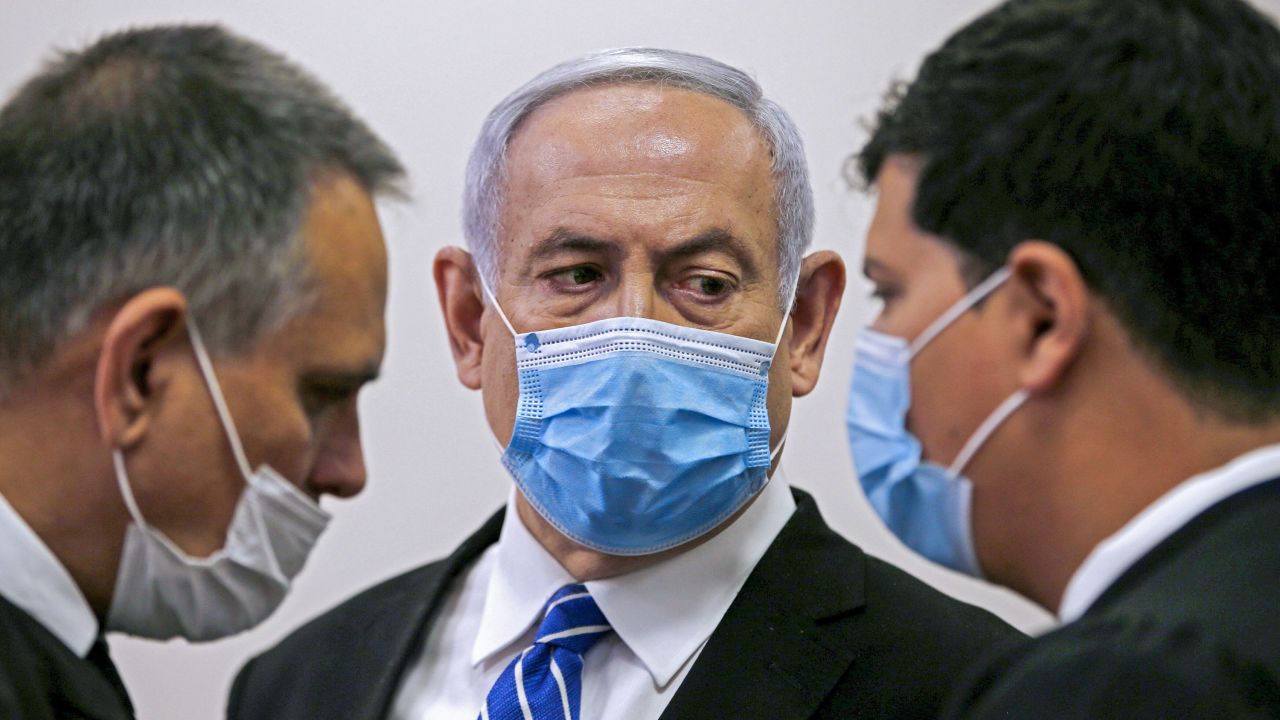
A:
(545, 681)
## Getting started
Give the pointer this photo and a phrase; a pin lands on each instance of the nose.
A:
(339, 468)
(636, 295)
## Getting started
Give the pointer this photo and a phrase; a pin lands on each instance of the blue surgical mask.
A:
(633, 436)
(926, 506)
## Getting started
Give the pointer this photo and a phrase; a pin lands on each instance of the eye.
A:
(884, 293)
(711, 286)
(707, 287)
(575, 277)
(317, 398)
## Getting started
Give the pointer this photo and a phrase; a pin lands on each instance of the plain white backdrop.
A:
(424, 74)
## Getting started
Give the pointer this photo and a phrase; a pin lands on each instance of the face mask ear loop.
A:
(773, 455)
(984, 431)
(975, 296)
(786, 315)
(219, 403)
(494, 299)
(786, 312)
(122, 479)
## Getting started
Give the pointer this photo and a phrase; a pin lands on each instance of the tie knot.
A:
(572, 620)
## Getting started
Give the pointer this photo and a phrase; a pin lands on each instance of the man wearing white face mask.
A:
(1073, 387)
(192, 286)
(638, 313)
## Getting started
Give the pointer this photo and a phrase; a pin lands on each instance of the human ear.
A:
(462, 304)
(1051, 306)
(818, 293)
(128, 377)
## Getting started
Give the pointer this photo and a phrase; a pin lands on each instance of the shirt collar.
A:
(664, 629)
(32, 578)
(1115, 555)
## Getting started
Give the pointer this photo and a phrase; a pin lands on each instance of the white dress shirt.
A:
(661, 615)
(1113, 556)
(32, 578)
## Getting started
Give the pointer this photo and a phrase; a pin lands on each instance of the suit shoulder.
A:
(352, 614)
(922, 609)
(337, 656)
(1122, 667)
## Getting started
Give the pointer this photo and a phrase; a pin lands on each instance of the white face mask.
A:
(161, 592)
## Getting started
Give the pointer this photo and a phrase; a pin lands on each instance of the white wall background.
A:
(424, 74)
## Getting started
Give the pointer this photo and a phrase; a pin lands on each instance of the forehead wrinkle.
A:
(588, 131)
(623, 186)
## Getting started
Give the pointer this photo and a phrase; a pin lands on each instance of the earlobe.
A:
(125, 379)
(818, 294)
(462, 304)
(1054, 304)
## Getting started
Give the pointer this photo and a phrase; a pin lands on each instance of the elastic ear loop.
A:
(228, 426)
(1010, 404)
(777, 341)
(786, 311)
(126, 493)
(494, 299)
(219, 403)
(975, 296)
(984, 431)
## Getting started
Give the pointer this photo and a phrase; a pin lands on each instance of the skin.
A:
(1104, 434)
(633, 200)
(130, 381)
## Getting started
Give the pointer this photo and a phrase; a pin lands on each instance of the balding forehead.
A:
(638, 128)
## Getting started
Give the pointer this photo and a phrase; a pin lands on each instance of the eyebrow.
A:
(564, 240)
(717, 240)
(713, 240)
(872, 266)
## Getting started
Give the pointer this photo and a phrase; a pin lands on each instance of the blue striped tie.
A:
(545, 681)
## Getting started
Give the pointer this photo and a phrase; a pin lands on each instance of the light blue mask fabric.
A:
(633, 436)
(926, 506)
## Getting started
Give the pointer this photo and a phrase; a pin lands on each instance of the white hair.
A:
(486, 170)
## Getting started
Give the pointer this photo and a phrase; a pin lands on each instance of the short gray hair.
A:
(180, 156)
(487, 171)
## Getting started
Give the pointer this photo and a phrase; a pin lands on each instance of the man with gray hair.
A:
(638, 312)
(192, 286)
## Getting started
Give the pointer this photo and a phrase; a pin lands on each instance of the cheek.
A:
(951, 394)
(500, 389)
(279, 433)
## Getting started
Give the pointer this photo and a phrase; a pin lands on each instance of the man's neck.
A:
(1105, 468)
(62, 490)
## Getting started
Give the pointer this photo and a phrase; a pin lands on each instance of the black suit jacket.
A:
(819, 630)
(41, 679)
(1191, 631)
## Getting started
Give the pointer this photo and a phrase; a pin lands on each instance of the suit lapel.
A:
(396, 629)
(790, 634)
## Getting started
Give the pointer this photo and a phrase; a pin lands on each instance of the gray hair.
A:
(486, 170)
(180, 156)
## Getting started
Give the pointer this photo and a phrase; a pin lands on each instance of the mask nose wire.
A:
(219, 402)
(973, 297)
